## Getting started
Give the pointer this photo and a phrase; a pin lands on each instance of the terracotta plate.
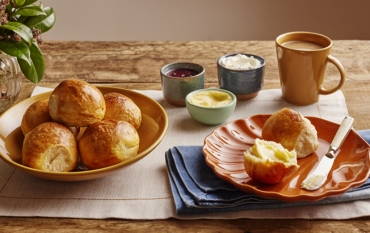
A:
(151, 132)
(224, 147)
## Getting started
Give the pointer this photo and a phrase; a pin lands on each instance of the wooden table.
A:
(136, 65)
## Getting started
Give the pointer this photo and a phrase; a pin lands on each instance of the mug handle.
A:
(340, 67)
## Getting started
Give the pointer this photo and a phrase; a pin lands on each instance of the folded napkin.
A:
(197, 189)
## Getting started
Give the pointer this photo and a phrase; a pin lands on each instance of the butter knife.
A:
(318, 177)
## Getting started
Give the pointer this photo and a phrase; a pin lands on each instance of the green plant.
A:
(21, 25)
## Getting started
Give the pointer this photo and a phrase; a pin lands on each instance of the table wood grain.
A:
(136, 65)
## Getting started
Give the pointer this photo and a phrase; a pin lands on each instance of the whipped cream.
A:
(240, 62)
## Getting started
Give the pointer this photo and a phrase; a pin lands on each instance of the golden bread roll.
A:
(50, 147)
(122, 108)
(292, 130)
(108, 142)
(269, 162)
(36, 113)
(76, 103)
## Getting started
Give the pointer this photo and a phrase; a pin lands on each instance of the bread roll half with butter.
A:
(292, 130)
(50, 147)
(269, 162)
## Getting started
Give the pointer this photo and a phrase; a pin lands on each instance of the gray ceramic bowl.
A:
(175, 89)
(211, 115)
(245, 84)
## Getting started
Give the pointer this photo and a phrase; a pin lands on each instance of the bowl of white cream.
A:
(241, 74)
(210, 106)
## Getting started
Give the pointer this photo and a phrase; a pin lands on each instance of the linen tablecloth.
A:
(142, 190)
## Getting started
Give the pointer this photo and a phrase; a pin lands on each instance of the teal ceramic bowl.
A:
(175, 89)
(197, 101)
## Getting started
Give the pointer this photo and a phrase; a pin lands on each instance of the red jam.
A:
(182, 73)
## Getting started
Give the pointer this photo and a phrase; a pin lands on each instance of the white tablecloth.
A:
(142, 191)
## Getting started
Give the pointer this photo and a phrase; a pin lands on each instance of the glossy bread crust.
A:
(121, 107)
(50, 147)
(36, 113)
(76, 103)
(108, 142)
(292, 130)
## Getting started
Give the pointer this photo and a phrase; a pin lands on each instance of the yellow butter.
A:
(210, 98)
(272, 151)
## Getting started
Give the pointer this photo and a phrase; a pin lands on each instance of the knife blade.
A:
(318, 177)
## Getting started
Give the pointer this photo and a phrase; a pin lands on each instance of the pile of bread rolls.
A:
(286, 136)
(53, 141)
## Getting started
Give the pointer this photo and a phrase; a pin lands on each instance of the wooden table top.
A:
(136, 65)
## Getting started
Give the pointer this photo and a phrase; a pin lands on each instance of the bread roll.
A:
(108, 142)
(292, 130)
(122, 108)
(50, 147)
(269, 162)
(36, 113)
(76, 103)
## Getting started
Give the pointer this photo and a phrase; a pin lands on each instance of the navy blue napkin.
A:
(197, 189)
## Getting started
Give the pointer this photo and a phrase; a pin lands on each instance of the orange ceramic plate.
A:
(151, 132)
(224, 147)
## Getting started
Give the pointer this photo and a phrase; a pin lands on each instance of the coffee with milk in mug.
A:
(302, 45)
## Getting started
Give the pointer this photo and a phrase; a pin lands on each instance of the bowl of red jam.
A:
(179, 79)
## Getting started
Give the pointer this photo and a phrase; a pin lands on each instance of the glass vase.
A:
(10, 81)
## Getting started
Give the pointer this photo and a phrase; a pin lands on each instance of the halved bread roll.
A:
(108, 142)
(76, 103)
(50, 147)
(269, 162)
(292, 130)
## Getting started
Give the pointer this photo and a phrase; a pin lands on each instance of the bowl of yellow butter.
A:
(210, 106)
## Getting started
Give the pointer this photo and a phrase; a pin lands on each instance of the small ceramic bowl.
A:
(245, 84)
(179, 79)
(199, 105)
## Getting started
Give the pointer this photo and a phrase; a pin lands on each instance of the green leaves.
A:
(30, 59)
(25, 16)
(31, 10)
(20, 3)
(21, 29)
(34, 71)
(43, 22)
(19, 50)
(28, 2)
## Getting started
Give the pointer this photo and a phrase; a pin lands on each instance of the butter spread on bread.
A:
(269, 162)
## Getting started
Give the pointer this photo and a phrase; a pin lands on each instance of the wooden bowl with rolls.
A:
(80, 132)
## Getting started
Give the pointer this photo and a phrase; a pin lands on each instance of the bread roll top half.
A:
(292, 130)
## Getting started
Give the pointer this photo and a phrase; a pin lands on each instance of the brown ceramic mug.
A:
(302, 59)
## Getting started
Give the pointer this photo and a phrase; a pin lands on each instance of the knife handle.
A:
(341, 134)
